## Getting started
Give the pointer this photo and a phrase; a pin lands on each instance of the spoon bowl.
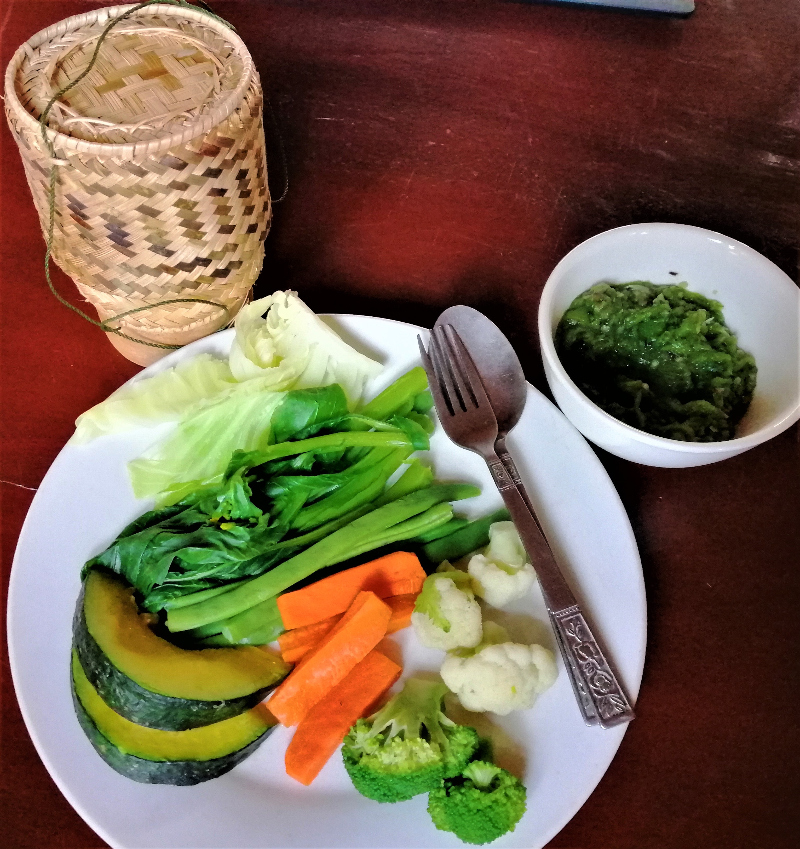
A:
(496, 361)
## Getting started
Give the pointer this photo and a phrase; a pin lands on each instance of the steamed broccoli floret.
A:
(480, 805)
(409, 746)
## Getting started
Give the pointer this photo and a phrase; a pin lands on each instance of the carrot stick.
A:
(325, 726)
(350, 640)
(395, 574)
(296, 643)
(402, 606)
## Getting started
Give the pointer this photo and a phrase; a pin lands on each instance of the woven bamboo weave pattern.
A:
(162, 182)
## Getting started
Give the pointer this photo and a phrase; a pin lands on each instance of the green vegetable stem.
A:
(404, 391)
(380, 526)
(313, 493)
(462, 538)
(416, 476)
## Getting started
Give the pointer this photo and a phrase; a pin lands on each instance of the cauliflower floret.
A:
(497, 584)
(501, 574)
(499, 676)
(446, 615)
(505, 545)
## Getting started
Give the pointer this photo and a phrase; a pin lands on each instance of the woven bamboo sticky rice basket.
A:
(161, 181)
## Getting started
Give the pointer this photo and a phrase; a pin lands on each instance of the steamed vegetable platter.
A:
(275, 474)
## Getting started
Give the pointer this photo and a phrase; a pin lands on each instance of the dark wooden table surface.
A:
(445, 152)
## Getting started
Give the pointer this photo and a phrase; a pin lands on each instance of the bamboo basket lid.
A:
(161, 167)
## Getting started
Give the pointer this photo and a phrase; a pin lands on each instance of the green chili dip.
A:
(660, 358)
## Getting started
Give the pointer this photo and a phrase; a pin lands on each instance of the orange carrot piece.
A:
(402, 606)
(325, 726)
(296, 643)
(351, 639)
(398, 573)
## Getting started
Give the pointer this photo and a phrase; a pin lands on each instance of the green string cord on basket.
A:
(105, 323)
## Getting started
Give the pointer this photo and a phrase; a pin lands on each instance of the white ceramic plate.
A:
(85, 500)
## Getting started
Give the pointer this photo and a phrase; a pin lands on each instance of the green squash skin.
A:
(179, 773)
(142, 706)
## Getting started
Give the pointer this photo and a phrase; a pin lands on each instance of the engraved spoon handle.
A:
(600, 697)
(584, 700)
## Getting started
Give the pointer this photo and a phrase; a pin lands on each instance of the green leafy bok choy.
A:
(328, 485)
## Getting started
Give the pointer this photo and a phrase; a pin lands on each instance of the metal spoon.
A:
(504, 381)
(501, 374)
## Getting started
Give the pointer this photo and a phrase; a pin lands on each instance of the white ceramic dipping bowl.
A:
(760, 304)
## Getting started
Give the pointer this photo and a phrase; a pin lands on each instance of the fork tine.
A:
(448, 356)
(469, 379)
(444, 370)
(434, 383)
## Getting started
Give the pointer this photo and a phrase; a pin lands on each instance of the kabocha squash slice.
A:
(154, 683)
(153, 756)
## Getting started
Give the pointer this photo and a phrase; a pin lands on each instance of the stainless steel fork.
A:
(468, 419)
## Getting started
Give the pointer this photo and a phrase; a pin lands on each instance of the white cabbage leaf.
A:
(281, 338)
(200, 447)
(164, 397)
(288, 348)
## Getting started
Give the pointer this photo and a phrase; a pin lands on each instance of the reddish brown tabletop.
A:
(446, 152)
